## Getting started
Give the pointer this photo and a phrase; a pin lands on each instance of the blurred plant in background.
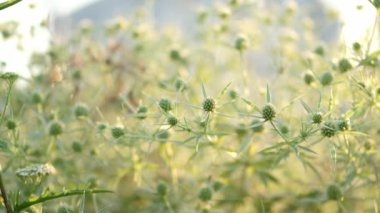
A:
(172, 122)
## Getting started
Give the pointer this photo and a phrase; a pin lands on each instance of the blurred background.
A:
(354, 18)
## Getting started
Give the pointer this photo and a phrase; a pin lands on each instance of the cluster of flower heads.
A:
(35, 172)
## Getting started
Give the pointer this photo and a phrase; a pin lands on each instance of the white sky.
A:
(356, 24)
(17, 59)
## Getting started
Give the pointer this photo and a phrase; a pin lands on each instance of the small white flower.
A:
(35, 170)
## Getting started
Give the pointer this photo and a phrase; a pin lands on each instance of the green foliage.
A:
(123, 106)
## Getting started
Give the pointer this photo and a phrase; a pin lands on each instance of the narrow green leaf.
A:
(307, 108)
(251, 104)
(224, 90)
(266, 177)
(204, 91)
(319, 101)
(277, 145)
(331, 101)
(307, 164)
(307, 149)
(246, 143)
(269, 97)
(256, 124)
(356, 133)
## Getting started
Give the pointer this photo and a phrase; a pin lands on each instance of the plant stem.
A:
(372, 33)
(244, 74)
(8, 205)
(278, 131)
(28, 204)
(6, 103)
(8, 4)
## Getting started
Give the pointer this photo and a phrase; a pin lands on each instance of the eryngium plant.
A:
(176, 122)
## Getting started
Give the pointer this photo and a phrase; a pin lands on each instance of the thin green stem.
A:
(8, 205)
(8, 4)
(6, 103)
(372, 33)
(170, 208)
(278, 131)
(28, 204)
(244, 73)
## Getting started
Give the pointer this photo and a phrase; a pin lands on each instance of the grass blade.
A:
(269, 97)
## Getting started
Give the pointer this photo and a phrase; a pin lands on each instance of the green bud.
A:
(217, 185)
(172, 121)
(77, 75)
(165, 104)
(326, 78)
(208, 105)
(334, 192)
(319, 51)
(11, 124)
(344, 65)
(180, 85)
(201, 16)
(175, 55)
(241, 43)
(141, 112)
(268, 112)
(328, 129)
(36, 98)
(308, 77)
(317, 118)
(117, 132)
(233, 94)
(55, 128)
(77, 147)
(81, 110)
(356, 46)
(205, 194)
(102, 126)
(162, 189)
(163, 135)
(343, 125)
(284, 129)
(224, 12)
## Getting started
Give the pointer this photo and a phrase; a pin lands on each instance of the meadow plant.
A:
(129, 117)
